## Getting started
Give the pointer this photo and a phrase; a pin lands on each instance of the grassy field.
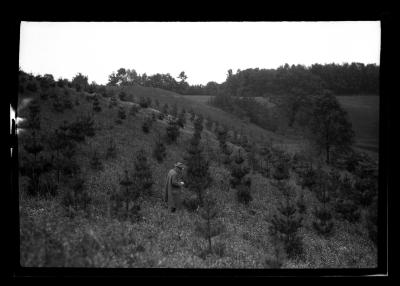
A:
(363, 112)
(162, 239)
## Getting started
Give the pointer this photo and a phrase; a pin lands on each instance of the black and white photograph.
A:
(198, 145)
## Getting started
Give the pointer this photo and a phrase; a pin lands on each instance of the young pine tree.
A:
(165, 109)
(192, 114)
(96, 104)
(265, 161)
(323, 223)
(286, 223)
(365, 189)
(134, 110)
(34, 164)
(182, 119)
(239, 180)
(198, 123)
(344, 206)
(95, 161)
(144, 102)
(142, 176)
(58, 105)
(76, 196)
(281, 171)
(174, 111)
(372, 220)
(159, 150)
(172, 131)
(111, 151)
(210, 226)
(209, 124)
(113, 102)
(63, 149)
(223, 146)
(198, 177)
(147, 123)
(128, 194)
(121, 115)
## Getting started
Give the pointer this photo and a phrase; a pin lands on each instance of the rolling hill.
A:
(162, 239)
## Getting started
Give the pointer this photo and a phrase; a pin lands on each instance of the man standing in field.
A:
(173, 185)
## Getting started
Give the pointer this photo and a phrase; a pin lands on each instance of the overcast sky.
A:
(204, 50)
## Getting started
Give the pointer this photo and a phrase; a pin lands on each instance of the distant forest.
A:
(345, 79)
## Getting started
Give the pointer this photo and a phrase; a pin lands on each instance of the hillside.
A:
(160, 238)
(363, 112)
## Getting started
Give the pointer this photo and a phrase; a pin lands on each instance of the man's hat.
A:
(179, 165)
